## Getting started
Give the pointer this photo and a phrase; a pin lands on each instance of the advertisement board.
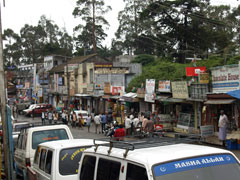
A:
(107, 88)
(150, 90)
(204, 78)
(225, 79)
(180, 89)
(116, 90)
(194, 71)
(164, 86)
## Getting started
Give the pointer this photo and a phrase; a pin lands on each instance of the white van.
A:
(58, 160)
(31, 137)
(157, 161)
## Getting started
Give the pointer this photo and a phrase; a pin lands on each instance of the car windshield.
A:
(215, 167)
(32, 106)
(69, 159)
(39, 137)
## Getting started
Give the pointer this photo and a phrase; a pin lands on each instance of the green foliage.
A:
(144, 59)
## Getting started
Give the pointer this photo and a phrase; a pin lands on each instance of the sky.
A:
(16, 13)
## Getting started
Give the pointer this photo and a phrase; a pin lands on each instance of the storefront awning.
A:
(235, 93)
(82, 95)
(220, 101)
(129, 97)
(174, 100)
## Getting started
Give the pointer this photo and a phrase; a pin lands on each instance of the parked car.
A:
(38, 109)
(22, 106)
(151, 160)
(30, 138)
(17, 126)
(58, 160)
(83, 113)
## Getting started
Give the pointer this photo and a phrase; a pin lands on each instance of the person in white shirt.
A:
(128, 125)
(222, 124)
(97, 121)
(43, 118)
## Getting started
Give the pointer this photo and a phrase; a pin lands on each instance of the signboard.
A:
(70, 67)
(194, 71)
(40, 94)
(225, 79)
(207, 130)
(184, 120)
(101, 65)
(180, 89)
(150, 90)
(55, 82)
(164, 86)
(107, 88)
(116, 90)
(204, 78)
(98, 87)
(60, 81)
(123, 70)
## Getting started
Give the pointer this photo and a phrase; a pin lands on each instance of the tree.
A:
(12, 52)
(131, 29)
(92, 33)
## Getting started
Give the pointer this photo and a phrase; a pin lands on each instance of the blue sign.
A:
(225, 85)
(194, 163)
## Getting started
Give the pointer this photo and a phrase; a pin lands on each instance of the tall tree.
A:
(12, 51)
(131, 27)
(91, 12)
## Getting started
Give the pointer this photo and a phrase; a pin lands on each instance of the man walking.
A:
(50, 117)
(103, 122)
(43, 118)
(222, 124)
(97, 121)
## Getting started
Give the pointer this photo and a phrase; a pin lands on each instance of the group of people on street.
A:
(53, 117)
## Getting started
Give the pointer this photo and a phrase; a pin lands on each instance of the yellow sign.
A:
(204, 78)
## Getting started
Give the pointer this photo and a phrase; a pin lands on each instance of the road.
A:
(82, 134)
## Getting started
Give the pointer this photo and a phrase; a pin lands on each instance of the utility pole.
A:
(6, 147)
(68, 92)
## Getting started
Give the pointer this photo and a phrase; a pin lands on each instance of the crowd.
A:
(105, 122)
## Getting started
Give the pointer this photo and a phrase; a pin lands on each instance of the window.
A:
(39, 137)
(48, 166)
(19, 144)
(88, 168)
(42, 159)
(37, 155)
(68, 160)
(135, 172)
(108, 170)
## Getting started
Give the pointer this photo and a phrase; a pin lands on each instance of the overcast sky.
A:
(16, 13)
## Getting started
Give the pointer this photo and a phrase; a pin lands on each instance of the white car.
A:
(31, 107)
(164, 160)
(30, 138)
(83, 113)
(58, 160)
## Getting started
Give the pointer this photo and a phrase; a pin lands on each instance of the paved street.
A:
(83, 133)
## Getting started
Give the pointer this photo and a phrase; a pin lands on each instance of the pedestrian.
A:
(131, 124)
(80, 118)
(43, 118)
(50, 117)
(103, 122)
(109, 118)
(74, 120)
(97, 122)
(119, 133)
(149, 127)
(89, 120)
(55, 117)
(222, 124)
(128, 125)
(64, 118)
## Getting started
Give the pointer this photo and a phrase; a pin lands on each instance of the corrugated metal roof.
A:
(220, 101)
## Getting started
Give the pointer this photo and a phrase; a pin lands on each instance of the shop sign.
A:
(112, 71)
(140, 92)
(70, 67)
(164, 86)
(150, 90)
(60, 81)
(165, 118)
(89, 87)
(180, 89)
(107, 88)
(225, 79)
(27, 85)
(194, 71)
(102, 65)
(55, 82)
(98, 87)
(40, 92)
(207, 130)
(204, 78)
(116, 90)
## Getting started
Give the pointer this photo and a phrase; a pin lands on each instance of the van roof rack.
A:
(140, 144)
(39, 124)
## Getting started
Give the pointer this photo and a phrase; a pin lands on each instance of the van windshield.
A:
(215, 167)
(39, 137)
(69, 159)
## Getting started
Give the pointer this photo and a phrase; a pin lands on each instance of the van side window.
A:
(135, 172)
(42, 159)
(48, 165)
(108, 169)
(36, 155)
(19, 145)
(88, 168)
